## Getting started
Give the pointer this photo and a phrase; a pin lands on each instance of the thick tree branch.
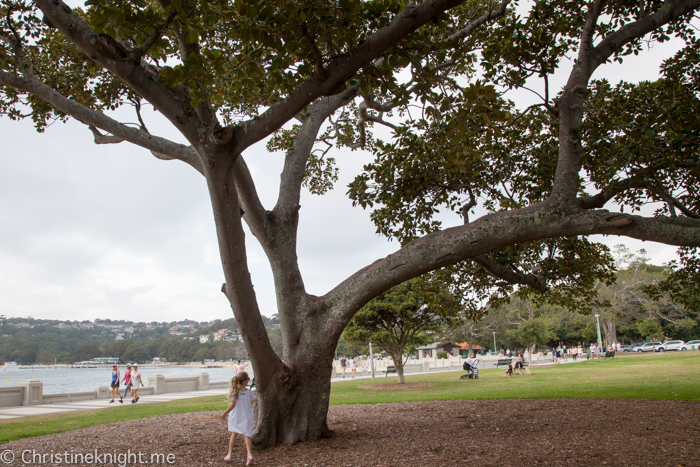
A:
(498, 230)
(103, 51)
(99, 120)
(295, 162)
(493, 14)
(338, 71)
(670, 11)
(570, 105)
(254, 212)
(638, 180)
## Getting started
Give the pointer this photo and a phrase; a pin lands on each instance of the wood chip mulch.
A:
(551, 432)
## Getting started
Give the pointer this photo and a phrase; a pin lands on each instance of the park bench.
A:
(504, 362)
(390, 369)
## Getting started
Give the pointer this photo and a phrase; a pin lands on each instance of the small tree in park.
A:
(533, 333)
(650, 329)
(400, 319)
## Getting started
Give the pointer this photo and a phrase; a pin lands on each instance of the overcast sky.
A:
(109, 231)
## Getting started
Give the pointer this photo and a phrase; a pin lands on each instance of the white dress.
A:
(240, 418)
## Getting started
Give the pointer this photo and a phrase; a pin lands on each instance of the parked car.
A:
(625, 348)
(693, 345)
(672, 345)
(649, 347)
(634, 347)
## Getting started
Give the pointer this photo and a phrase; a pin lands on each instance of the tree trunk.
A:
(610, 330)
(293, 404)
(398, 363)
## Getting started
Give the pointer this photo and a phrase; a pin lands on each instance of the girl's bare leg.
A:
(232, 442)
(249, 446)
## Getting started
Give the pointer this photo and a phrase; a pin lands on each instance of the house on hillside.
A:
(220, 334)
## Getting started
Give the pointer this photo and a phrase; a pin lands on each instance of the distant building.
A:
(220, 334)
(431, 350)
(203, 339)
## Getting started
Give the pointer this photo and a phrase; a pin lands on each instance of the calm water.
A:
(85, 379)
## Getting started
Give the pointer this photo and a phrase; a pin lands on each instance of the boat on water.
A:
(11, 366)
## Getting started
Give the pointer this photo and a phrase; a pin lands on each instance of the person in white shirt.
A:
(136, 382)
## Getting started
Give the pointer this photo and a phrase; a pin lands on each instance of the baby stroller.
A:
(472, 370)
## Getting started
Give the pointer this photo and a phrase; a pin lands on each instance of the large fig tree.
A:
(315, 74)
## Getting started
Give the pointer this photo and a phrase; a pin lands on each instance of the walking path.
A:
(65, 407)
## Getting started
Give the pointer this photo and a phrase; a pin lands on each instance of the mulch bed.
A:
(551, 432)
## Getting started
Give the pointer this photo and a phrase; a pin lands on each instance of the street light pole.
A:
(494, 342)
(597, 320)
(371, 359)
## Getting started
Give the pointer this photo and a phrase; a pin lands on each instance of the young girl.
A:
(240, 414)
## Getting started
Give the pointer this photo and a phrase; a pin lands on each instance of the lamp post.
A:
(494, 342)
(371, 359)
(597, 320)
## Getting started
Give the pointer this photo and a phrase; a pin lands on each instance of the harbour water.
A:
(60, 380)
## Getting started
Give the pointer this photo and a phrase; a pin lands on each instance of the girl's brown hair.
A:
(237, 384)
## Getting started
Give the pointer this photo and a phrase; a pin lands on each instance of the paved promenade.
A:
(65, 407)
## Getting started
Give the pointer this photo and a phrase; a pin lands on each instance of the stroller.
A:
(472, 370)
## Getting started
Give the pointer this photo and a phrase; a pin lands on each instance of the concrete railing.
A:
(12, 396)
(418, 365)
(31, 392)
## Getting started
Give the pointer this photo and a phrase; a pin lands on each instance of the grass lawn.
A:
(25, 427)
(645, 376)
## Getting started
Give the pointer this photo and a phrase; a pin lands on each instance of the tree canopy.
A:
(311, 76)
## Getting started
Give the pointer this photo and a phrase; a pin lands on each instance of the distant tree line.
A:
(635, 307)
(47, 344)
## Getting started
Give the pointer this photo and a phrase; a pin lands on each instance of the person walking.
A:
(240, 367)
(136, 382)
(126, 381)
(343, 365)
(353, 367)
(114, 387)
(240, 415)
